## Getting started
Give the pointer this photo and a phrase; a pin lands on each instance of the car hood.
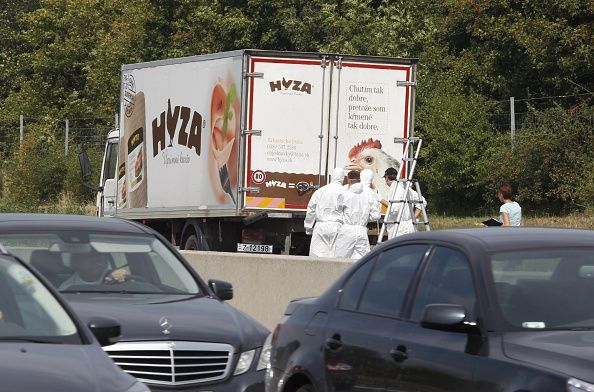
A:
(568, 352)
(190, 318)
(59, 367)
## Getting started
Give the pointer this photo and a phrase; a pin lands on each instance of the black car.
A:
(44, 347)
(177, 331)
(491, 309)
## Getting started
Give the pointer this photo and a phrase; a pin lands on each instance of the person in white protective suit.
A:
(367, 181)
(361, 207)
(406, 221)
(324, 216)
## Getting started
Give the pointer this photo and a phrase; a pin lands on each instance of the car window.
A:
(386, 287)
(86, 261)
(447, 280)
(28, 308)
(538, 289)
(351, 291)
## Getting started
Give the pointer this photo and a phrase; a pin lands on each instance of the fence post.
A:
(66, 131)
(22, 128)
(512, 113)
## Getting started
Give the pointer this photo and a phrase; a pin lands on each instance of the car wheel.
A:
(306, 388)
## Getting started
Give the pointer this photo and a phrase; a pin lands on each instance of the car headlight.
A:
(138, 387)
(575, 385)
(264, 360)
(245, 360)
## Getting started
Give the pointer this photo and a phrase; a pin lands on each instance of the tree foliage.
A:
(552, 164)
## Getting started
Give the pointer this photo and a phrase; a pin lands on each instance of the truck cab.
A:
(106, 194)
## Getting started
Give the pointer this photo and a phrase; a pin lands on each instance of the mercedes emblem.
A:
(165, 325)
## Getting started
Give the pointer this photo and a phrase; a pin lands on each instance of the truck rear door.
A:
(286, 125)
(372, 103)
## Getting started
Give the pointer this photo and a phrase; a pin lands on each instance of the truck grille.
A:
(173, 363)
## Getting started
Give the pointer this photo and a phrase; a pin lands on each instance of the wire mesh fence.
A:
(87, 132)
(502, 122)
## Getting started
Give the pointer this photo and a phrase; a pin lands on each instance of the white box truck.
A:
(223, 151)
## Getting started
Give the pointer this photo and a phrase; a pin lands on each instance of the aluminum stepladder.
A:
(397, 204)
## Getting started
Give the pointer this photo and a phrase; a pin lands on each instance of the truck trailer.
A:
(223, 151)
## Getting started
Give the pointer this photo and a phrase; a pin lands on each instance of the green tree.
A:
(76, 49)
(458, 145)
(552, 164)
(10, 45)
(522, 48)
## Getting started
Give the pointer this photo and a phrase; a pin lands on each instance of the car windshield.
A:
(546, 289)
(28, 310)
(103, 262)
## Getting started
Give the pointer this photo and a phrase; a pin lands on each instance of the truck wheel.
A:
(193, 243)
(306, 388)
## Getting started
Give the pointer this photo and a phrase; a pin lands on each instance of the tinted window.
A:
(447, 280)
(350, 293)
(27, 308)
(81, 261)
(111, 158)
(386, 287)
(550, 288)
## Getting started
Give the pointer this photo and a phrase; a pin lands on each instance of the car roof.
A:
(508, 238)
(33, 222)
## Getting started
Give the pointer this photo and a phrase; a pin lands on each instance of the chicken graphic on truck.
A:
(230, 146)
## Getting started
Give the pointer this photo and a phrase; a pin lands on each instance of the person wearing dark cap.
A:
(406, 224)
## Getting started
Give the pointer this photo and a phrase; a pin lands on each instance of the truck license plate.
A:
(254, 248)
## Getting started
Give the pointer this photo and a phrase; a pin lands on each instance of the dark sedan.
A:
(177, 331)
(491, 309)
(44, 347)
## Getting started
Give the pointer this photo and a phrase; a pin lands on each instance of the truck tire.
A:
(306, 388)
(196, 242)
(192, 243)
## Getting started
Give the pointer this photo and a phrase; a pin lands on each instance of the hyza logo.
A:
(128, 94)
(293, 85)
(189, 129)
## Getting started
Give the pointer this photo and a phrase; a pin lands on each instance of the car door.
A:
(436, 360)
(107, 194)
(358, 332)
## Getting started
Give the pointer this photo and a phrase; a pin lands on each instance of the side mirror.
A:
(85, 166)
(107, 330)
(222, 289)
(445, 317)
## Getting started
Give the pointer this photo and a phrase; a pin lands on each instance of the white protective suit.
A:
(406, 224)
(325, 215)
(366, 179)
(361, 208)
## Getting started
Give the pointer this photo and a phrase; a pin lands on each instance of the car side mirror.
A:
(107, 330)
(222, 289)
(445, 317)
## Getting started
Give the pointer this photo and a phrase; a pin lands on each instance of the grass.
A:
(577, 221)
